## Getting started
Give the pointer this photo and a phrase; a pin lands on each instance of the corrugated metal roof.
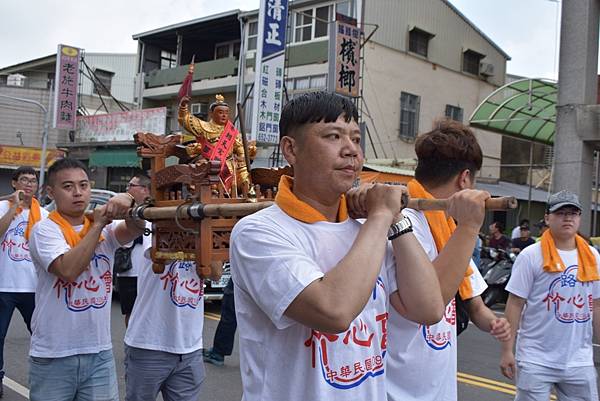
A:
(186, 23)
(521, 192)
(388, 169)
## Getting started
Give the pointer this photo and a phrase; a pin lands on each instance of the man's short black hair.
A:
(524, 221)
(314, 107)
(499, 226)
(143, 178)
(64, 164)
(22, 171)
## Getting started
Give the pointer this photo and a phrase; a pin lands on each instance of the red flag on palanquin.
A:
(186, 85)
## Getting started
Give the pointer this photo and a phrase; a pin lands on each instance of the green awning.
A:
(524, 109)
(115, 158)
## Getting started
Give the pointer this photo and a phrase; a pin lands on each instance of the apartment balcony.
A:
(212, 69)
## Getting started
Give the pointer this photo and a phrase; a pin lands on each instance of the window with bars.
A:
(471, 61)
(454, 112)
(418, 41)
(409, 115)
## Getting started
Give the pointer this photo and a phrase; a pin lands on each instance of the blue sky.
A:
(525, 29)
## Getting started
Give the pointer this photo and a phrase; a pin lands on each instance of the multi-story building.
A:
(21, 124)
(425, 60)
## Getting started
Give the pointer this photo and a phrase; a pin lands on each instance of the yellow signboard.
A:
(23, 156)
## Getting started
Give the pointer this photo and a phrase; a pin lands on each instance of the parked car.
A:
(213, 290)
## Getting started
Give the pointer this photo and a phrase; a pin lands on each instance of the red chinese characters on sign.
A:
(67, 80)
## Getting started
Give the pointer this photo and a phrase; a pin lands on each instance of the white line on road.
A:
(16, 387)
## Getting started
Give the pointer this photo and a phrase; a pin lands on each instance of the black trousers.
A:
(225, 334)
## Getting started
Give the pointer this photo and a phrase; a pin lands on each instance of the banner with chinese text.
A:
(269, 77)
(24, 156)
(65, 87)
(344, 58)
(118, 127)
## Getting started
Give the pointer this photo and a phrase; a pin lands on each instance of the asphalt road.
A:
(479, 377)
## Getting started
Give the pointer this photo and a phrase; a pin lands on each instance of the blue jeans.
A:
(83, 377)
(178, 377)
(24, 302)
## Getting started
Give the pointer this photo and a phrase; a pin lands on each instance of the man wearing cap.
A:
(523, 240)
(557, 278)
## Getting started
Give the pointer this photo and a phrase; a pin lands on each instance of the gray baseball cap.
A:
(562, 199)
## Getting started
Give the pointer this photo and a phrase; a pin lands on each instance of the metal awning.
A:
(115, 158)
(524, 109)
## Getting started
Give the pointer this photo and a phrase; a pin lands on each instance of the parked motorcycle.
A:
(497, 277)
(488, 258)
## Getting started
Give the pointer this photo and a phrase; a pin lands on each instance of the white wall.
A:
(389, 72)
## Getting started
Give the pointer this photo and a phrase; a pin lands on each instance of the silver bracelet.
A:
(403, 226)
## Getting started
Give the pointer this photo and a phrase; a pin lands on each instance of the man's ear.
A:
(465, 179)
(289, 149)
(50, 192)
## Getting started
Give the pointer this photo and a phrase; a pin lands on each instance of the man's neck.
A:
(497, 235)
(26, 203)
(441, 191)
(73, 220)
(327, 207)
(565, 243)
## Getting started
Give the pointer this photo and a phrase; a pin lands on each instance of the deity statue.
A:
(217, 139)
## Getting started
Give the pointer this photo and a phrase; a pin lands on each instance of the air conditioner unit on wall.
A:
(486, 69)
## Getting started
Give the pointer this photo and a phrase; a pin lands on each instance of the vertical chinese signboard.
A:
(65, 88)
(344, 57)
(268, 82)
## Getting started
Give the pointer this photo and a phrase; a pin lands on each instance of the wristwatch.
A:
(403, 226)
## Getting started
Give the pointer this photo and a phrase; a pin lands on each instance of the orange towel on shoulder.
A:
(70, 235)
(441, 228)
(294, 207)
(34, 216)
(587, 269)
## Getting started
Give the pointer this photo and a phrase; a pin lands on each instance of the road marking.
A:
(489, 384)
(212, 316)
(16, 387)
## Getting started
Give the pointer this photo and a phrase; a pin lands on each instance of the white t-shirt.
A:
(71, 318)
(17, 273)
(422, 359)
(516, 232)
(556, 323)
(273, 258)
(168, 314)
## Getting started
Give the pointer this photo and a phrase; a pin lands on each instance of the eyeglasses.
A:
(567, 213)
(25, 181)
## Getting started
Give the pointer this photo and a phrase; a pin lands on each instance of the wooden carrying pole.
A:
(197, 211)
(9, 197)
(501, 203)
